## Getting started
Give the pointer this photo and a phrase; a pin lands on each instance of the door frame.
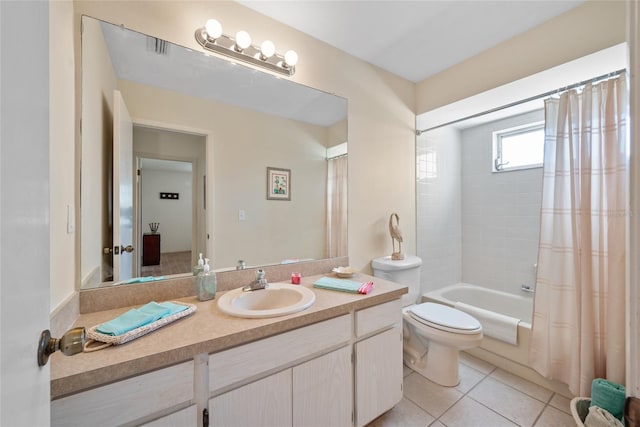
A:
(208, 184)
(138, 227)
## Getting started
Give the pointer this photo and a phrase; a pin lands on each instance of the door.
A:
(378, 374)
(323, 390)
(24, 212)
(122, 190)
(266, 402)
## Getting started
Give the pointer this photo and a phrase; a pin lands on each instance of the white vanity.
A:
(337, 363)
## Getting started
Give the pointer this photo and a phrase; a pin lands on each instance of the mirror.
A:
(204, 134)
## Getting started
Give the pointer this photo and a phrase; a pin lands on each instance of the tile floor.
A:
(487, 396)
(170, 263)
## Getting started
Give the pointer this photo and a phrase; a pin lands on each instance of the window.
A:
(427, 165)
(516, 148)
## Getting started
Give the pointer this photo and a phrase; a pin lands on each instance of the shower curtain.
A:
(579, 310)
(337, 206)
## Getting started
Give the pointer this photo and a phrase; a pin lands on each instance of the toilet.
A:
(434, 333)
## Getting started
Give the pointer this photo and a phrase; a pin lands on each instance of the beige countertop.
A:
(206, 331)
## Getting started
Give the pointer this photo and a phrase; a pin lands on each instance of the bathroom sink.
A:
(278, 299)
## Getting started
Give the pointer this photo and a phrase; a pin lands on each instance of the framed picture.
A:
(278, 184)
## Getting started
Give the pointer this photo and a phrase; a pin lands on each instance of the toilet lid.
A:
(443, 315)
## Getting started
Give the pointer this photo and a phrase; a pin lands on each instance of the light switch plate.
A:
(71, 221)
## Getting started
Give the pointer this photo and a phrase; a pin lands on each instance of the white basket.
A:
(108, 340)
(580, 409)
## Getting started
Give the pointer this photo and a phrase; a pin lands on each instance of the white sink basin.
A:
(278, 299)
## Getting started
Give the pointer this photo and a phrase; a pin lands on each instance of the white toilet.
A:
(434, 333)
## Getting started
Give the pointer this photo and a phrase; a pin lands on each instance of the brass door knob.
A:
(128, 248)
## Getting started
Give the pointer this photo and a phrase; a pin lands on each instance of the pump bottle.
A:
(206, 283)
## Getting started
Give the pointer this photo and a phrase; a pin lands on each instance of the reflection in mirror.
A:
(203, 133)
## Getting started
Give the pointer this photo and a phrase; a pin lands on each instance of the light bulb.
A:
(213, 29)
(268, 49)
(243, 40)
(290, 58)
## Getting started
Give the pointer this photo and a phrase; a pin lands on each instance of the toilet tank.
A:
(405, 272)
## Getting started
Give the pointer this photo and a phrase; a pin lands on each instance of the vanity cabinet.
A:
(136, 400)
(312, 383)
(314, 393)
(343, 371)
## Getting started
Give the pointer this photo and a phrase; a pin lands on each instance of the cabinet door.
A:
(266, 402)
(378, 374)
(322, 390)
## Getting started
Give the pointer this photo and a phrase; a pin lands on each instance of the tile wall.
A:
(474, 225)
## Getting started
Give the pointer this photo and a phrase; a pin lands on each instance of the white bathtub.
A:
(514, 359)
(518, 306)
(521, 307)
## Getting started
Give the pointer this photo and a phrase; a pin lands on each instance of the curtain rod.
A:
(523, 101)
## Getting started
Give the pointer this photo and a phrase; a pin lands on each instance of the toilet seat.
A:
(445, 318)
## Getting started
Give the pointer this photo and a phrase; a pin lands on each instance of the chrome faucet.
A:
(259, 283)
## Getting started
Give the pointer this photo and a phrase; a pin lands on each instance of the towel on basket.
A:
(608, 395)
(495, 325)
(137, 317)
(599, 417)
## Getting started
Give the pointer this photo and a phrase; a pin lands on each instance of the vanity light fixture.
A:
(239, 47)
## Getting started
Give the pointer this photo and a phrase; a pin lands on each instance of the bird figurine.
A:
(396, 234)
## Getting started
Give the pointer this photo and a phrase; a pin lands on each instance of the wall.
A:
(439, 208)
(588, 28)
(63, 160)
(174, 216)
(500, 212)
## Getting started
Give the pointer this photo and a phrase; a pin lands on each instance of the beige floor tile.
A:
(431, 397)
(533, 390)
(437, 424)
(552, 417)
(469, 377)
(406, 370)
(406, 413)
(560, 402)
(475, 363)
(469, 413)
(507, 401)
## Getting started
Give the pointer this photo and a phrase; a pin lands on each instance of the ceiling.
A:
(413, 39)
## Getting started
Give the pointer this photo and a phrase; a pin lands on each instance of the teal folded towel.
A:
(143, 279)
(173, 308)
(337, 284)
(609, 396)
(138, 317)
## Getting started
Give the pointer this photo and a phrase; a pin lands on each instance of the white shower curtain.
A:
(337, 207)
(579, 312)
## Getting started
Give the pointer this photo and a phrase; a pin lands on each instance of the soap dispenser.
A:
(198, 267)
(206, 283)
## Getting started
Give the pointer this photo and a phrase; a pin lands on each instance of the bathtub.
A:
(518, 306)
(492, 350)
(511, 358)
